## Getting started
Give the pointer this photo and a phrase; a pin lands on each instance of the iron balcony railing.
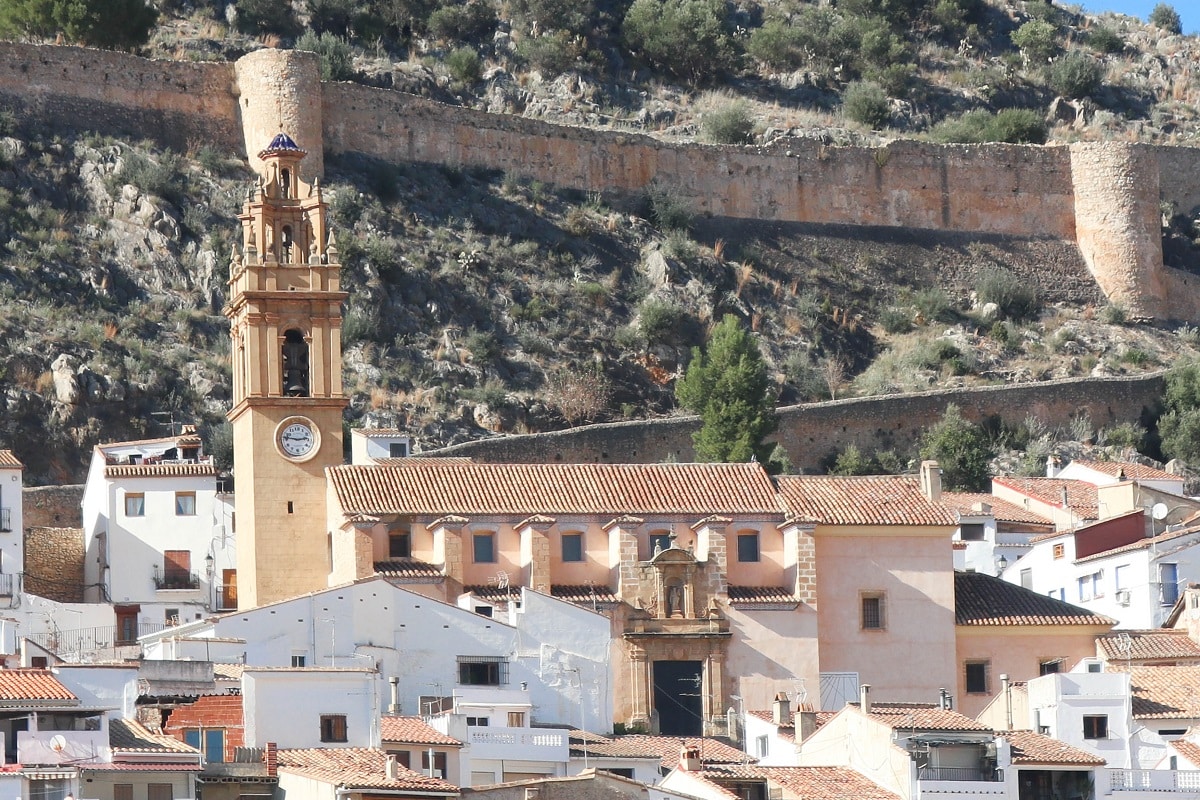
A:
(89, 641)
(175, 580)
(958, 774)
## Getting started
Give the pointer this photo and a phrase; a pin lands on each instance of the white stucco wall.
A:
(103, 686)
(285, 706)
(12, 561)
(1061, 701)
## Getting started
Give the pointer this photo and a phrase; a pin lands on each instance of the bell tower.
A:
(285, 317)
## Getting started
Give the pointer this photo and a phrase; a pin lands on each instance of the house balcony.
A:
(967, 783)
(1130, 783)
(171, 580)
(99, 643)
(519, 744)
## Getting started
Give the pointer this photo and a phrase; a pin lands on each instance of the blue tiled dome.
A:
(282, 143)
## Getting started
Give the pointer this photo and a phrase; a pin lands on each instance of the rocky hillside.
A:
(482, 303)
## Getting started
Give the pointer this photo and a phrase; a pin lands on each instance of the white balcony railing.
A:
(525, 744)
(1153, 780)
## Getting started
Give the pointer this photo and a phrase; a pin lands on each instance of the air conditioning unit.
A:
(1122, 596)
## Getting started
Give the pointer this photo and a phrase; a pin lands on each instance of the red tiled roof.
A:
(8, 459)
(760, 595)
(358, 768)
(416, 461)
(1146, 645)
(787, 730)
(1082, 497)
(584, 595)
(32, 684)
(1034, 748)
(1132, 472)
(438, 488)
(1141, 544)
(160, 470)
(125, 766)
(923, 716)
(131, 736)
(495, 594)
(414, 730)
(1188, 749)
(1165, 692)
(407, 568)
(182, 439)
(1002, 510)
(666, 748)
(807, 783)
(860, 500)
(981, 599)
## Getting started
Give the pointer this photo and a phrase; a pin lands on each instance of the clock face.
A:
(297, 439)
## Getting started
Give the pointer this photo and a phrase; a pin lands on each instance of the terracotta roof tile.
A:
(358, 768)
(585, 595)
(1188, 749)
(407, 568)
(981, 599)
(127, 766)
(1165, 692)
(417, 461)
(8, 459)
(786, 731)
(1002, 510)
(437, 488)
(1131, 471)
(1082, 497)
(32, 684)
(860, 500)
(923, 716)
(806, 783)
(666, 748)
(131, 736)
(414, 730)
(1034, 748)
(1141, 544)
(1146, 645)
(160, 470)
(228, 672)
(761, 595)
(495, 594)
(182, 439)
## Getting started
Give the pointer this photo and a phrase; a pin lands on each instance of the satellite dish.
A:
(1160, 511)
(58, 743)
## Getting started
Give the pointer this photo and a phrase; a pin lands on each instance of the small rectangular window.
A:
(333, 727)
(1095, 726)
(747, 545)
(1050, 666)
(398, 449)
(185, 504)
(122, 791)
(762, 745)
(485, 548)
(516, 719)
(572, 547)
(439, 764)
(399, 544)
(159, 791)
(1094, 666)
(172, 616)
(477, 722)
(1027, 578)
(873, 616)
(135, 505)
(977, 676)
(971, 531)
(1060, 550)
(482, 671)
(298, 659)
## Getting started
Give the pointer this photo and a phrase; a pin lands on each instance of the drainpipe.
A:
(394, 707)
(1007, 689)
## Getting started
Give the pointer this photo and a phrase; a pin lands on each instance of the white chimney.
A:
(1053, 466)
(393, 768)
(864, 697)
(931, 480)
(689, 759)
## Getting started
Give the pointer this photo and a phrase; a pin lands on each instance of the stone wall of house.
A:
(54, 563)
(53, 506)
(813, 432)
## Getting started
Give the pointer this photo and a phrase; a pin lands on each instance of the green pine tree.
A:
(727, 385)
(111, 24)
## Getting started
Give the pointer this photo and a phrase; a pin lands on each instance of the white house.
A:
(559, 651)
(12, 524)
(1105, 473)
(158, 534)
(311, 707)
(1114, 567)
(770, 736)
(993, 532)
(368, 445)
(1088, 710)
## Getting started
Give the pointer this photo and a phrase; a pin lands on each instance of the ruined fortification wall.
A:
(812, 432)
(180, 104)
(1013, 189)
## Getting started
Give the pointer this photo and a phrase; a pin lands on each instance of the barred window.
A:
(482, 671)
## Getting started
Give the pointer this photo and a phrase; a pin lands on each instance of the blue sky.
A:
(1189, 10)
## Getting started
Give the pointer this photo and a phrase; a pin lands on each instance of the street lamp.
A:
(1001, 564)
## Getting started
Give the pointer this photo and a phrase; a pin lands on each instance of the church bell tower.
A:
(285, 315)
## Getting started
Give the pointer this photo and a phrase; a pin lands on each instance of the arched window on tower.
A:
(285, 184)
(285, 245)
(295, 364)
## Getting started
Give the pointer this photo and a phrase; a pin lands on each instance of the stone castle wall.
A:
(811, 433)
(1104, 197)
(53, 506)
